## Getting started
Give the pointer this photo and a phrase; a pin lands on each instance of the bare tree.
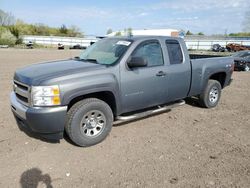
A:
(118, 33)
(75, 31)
(109, 31)
(130, 31)
(63, 29)
(6, 18)
(246, 22)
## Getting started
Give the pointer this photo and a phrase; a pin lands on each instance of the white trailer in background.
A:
(55, 40)
(150, 32)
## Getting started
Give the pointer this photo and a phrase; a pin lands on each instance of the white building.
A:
(148, 32)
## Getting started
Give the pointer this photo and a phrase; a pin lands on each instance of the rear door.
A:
(178, 71)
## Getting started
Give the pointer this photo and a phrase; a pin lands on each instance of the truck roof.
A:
(141, 37)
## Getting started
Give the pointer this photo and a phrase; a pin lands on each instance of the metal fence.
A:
(192, 43)
(214, 37)
(207, 44)
(55, 40)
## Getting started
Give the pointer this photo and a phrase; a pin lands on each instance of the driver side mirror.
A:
(137, 62)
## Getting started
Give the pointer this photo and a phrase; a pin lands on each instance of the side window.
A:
(151, 52)
(174, 52)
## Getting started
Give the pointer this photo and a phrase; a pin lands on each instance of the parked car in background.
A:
(218, 48)
(233, 47)
(4, 46)
(242, 61)
(60, 46)
(30, 45)
(77, 46)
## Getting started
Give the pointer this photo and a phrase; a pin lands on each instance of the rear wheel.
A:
(211, 95)
(89, 122)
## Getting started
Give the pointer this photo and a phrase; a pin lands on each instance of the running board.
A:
(159, 109)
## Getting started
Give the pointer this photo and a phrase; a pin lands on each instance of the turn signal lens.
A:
(56, 100)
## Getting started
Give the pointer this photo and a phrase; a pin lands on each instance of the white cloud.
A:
(200, 5)
(143, 14)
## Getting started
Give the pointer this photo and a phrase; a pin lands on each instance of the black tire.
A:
(79, 117)
(211, 94)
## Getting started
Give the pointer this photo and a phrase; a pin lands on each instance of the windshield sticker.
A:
(123, 42)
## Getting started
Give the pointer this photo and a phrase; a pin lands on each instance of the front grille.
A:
(22, 92)
(22, 86)
(24, 99)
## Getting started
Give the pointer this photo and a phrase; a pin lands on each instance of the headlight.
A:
(45, 95)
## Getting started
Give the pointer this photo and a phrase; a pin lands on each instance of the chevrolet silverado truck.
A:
(114, 80)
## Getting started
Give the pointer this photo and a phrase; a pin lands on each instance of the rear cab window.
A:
(174, 52)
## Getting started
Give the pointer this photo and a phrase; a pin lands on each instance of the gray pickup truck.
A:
(115, 79)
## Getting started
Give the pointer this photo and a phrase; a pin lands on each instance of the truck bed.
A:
(202, 68)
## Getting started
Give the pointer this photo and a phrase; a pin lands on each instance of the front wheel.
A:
(211, 95)
(89, 122)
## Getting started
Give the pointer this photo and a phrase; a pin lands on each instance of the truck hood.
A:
(33, 74)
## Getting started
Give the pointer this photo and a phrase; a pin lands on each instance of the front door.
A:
(144, 87)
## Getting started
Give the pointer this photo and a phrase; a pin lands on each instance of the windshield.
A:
(242, 54)
(106, 51)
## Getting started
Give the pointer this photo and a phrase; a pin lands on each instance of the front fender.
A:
(92, 84)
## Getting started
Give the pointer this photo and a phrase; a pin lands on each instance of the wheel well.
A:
(220, 77)
(105, 96)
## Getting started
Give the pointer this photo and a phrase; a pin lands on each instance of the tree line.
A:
(12, 30)
(126, 32)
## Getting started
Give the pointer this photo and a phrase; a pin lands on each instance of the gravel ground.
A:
(186, 147)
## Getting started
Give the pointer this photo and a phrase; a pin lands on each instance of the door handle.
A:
(161, 73)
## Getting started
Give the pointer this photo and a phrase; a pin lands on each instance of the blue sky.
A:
(95, 17)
